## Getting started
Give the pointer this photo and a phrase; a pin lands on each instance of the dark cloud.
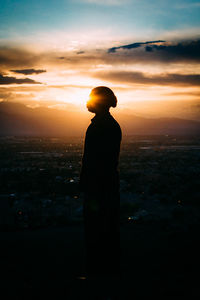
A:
(185, 50)
(14, 80)
(132, 46)
(28, 71)
(149, 49)
(80, 52)
(141, 78)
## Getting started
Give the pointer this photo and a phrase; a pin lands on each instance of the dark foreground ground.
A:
(155, 261)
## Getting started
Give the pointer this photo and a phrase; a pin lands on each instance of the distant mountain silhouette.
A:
(19, 120)
(174, 126)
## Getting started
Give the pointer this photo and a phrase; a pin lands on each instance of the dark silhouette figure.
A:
(99, 180)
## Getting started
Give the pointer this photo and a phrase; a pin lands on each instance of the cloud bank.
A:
(28, 71)
(149, 79)
(22, 61)
(14, 80)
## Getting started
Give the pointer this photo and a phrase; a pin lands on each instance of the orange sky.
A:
(154, 70)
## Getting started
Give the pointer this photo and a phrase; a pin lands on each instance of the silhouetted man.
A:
(99, 180)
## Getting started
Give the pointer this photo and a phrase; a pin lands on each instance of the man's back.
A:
(101, 151)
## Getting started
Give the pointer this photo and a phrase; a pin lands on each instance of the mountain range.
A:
(17, 119)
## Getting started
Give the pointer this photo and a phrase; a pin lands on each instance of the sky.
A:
(52, 53)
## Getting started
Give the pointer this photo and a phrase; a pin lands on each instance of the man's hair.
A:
(104, 95)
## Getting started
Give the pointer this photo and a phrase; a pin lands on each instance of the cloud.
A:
(183, 50)
(80, 52)
(197, 106)
(148, 79)
(11, 58)
(190, 93)
(132, 46)
(8, 95)
(28, 71)
(22, 61)
(186, 51)
(14, 80)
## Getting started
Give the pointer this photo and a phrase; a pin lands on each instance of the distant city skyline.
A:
(52, 53)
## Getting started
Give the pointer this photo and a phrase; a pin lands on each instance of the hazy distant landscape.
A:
(19, 120)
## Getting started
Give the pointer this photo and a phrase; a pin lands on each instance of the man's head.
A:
(101, 99)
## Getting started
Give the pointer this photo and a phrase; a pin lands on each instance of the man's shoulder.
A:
(115, 123)
(115, 128)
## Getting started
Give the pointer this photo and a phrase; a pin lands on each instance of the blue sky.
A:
(25, 17)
